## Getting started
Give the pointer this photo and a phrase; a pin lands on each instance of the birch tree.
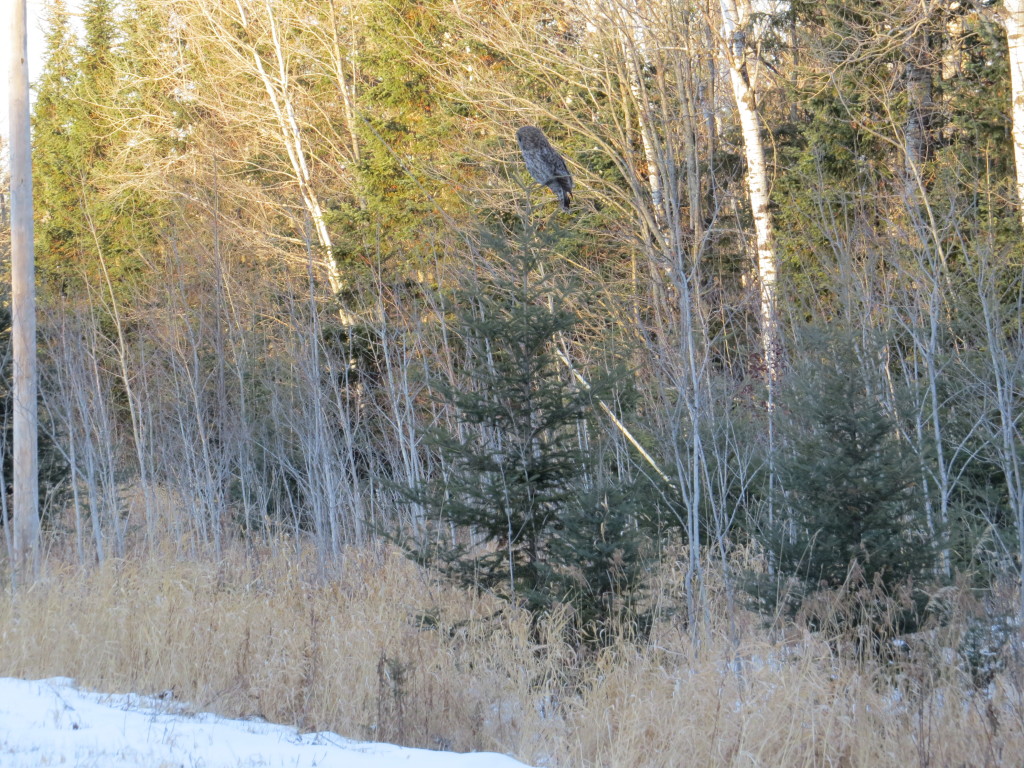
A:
(631, 29)
(735, 34)
(253, 37)
(1013, 21)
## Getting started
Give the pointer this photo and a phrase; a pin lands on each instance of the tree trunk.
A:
(634, 47)
(277, 88)
(919, 98)
(23, 310)
(1013, 21)
(735, 45)
(917, 133)
(684, 77)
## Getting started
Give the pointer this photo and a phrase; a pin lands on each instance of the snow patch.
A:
(51, 722)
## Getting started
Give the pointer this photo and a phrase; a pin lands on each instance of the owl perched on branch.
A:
(544, 163)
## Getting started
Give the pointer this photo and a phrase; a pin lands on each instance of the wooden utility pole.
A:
(23, 309)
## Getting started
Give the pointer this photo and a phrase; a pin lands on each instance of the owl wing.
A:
(560, 180)
(545, 165)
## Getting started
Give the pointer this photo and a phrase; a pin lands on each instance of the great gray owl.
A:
(544, 163)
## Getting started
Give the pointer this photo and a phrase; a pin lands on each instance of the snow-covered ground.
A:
(50, 722)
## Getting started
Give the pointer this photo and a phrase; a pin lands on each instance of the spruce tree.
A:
(409, 121)
(55, 154)
(603, 557)
(535, 521)
(81, 217)
(851, 512)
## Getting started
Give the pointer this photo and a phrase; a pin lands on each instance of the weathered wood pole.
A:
(23, 309)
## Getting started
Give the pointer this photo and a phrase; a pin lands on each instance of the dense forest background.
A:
(290, 265)
(346, 424)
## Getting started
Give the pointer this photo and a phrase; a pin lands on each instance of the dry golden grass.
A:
(268, 634)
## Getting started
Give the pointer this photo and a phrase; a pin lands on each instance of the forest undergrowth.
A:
(377, 648)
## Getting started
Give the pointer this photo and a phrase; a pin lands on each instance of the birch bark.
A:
(630, 34)
(633, 33)
(1013, 21)
(735, 18)
(276, 84)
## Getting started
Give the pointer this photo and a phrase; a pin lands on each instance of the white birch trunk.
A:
(291, 137)
(635, 55)
(1013, 21)
(23, 309)
(735, 45)
(348, 92)
(629, 30)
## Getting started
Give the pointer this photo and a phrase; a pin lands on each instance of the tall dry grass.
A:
(380, 650)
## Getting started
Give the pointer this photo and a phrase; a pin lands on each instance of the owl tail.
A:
(566, 198)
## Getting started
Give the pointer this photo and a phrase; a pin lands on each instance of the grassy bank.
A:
(380, 650)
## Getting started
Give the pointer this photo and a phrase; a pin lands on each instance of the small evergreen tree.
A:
(604, 559)
(534, 521)
(83, 216)
(55, 154)
(851, 512)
